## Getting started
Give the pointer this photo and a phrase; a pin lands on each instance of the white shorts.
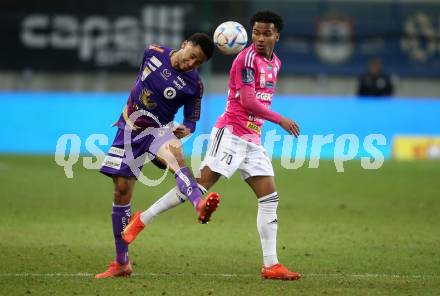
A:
(228, 153)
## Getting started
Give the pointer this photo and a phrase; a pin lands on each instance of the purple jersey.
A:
(162, 90)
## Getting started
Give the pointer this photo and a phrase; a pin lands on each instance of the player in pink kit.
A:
(252, 82)
(235, 142)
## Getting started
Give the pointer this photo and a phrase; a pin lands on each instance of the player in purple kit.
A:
(167, 80)
(235, 142)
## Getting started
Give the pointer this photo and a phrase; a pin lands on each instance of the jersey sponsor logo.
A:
(112, 162)
(262, 79)
(247, 76)
(267, 97)
(269, 68)
(151, 67)
(146, 100)
(156, 61)
(169, 93)
(269, 84)
(145, 73)
(165, 74)
(254, 127)
(180, 83)
(177, 85)
(116, 151)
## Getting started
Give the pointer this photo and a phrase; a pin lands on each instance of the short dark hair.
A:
(205, 43)
(267, 16)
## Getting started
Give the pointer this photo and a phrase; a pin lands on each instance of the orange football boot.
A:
(279, 272)
(207, 206)
(133, 228)
(115, 269)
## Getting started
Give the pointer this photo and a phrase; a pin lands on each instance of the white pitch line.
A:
(231, 275)
(373, 275)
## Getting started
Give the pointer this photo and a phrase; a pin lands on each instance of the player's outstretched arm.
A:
(251, 104)
(290, 126)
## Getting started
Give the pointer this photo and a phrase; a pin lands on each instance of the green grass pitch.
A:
(354, 233)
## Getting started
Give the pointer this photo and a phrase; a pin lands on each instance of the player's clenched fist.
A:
(181, 131)
(290, 126)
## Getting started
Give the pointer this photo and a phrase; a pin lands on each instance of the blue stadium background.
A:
(321, 39)
(33, 122)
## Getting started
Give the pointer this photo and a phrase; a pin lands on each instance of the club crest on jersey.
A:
(169, 93)
(247, 76)
(146, 99)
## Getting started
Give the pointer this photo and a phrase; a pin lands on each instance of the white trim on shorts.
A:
(228, 153)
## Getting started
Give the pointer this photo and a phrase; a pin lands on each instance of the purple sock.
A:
(120, 217)
(188, 185)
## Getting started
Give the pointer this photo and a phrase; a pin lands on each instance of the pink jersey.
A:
(249, 68)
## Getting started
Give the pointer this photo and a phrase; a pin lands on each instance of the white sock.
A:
(267, 225)
(171, 199)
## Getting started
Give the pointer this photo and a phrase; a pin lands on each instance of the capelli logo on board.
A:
(104, 40)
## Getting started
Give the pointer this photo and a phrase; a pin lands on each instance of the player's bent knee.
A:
(121, 197)
(262, 185)
(208, 178)
(171, 154)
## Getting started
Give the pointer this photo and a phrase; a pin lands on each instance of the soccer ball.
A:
(230, 37)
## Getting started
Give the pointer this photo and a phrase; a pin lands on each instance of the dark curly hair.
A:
(205, 42)
(268, 17)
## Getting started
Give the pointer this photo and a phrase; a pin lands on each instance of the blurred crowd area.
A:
(105, 81)
(327, 47)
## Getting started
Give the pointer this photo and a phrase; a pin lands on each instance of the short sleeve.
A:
(244, 69)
